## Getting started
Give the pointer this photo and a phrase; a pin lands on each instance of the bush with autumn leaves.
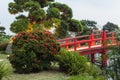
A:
(33, 51)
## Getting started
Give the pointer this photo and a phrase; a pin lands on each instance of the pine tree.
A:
(43, 14)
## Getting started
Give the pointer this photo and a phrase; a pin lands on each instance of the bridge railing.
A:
(102, 39)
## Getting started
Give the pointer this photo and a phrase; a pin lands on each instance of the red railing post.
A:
(79, 45)
(104, 37)
(92, 39)
(92, 42)
(113, 38)
(89, 44)
(74, 43)
(66, 42)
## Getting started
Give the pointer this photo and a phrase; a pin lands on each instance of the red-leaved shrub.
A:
(33, 51)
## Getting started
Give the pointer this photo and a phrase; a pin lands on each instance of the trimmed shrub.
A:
(71, 62)
(33, 51)
(3, 46)
(4, 41)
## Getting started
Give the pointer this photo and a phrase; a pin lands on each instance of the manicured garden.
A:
(37, 56)
(37, 53)
(52, 74)
(43, 75)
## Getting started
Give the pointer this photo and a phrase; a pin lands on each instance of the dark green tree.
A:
(90, 24)
(43, 14)
(4, 39)
(113, 67)
(2, 31)
(110, 27)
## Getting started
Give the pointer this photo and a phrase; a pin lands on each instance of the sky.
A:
(100, 11)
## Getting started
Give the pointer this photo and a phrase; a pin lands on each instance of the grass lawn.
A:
(45, 75)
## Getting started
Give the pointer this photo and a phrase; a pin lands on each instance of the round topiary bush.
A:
(3, 46)
(33, 51)
(4, 41)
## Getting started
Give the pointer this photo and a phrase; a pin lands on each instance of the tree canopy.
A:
(2, 30)
(43, 14)
(110, 26)
(90, 24)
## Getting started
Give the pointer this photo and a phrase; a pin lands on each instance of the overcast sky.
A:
(100, 11)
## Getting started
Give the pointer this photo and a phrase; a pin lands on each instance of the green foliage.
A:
(2, 28)
(38, 26)
(40, 14)
(93, 70)
(44, 3)
(14, 8)
(85, 77)
(31, 5)
(90, 24)
(33, 51)
(47, 13)
(71, 62)
(53, 13)
(110, 27)
(21, 17)
(19, 25)
(61, 31)
(3, 46)
(4, 70)
(4, 40)
(113, 68)
(2, 31)
(66, 11)
(117, 35)
(36, 12)
(75, 25)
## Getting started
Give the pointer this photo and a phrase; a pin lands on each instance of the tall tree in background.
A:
(110, 27)
(2, 31)
(3, 37)
(43, 14)
(89, 26)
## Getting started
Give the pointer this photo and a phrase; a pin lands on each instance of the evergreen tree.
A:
(2, 31)
(43, 14)
(110, 27)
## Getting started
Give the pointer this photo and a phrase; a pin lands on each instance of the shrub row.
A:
(34, 51)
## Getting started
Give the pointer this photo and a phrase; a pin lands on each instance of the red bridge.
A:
(95, 43)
